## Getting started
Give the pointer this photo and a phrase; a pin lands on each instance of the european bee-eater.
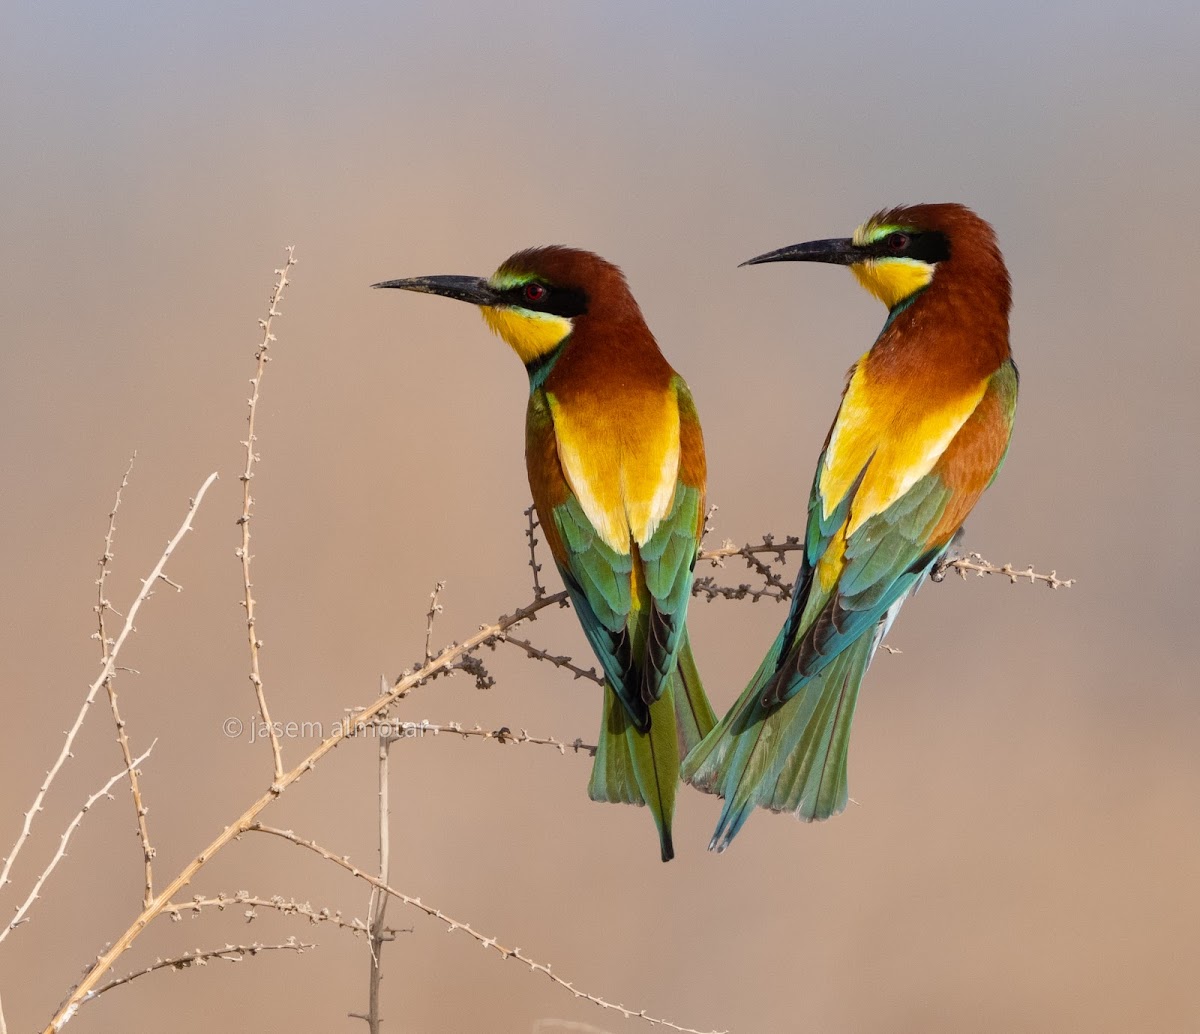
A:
(616, 466)
(922, 430)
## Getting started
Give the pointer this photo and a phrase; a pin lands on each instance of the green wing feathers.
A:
(633, 610)
(784, 743)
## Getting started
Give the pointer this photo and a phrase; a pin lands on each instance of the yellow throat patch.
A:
(891, 280)
(529, 334)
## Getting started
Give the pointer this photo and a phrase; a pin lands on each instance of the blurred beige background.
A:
(1026, 850)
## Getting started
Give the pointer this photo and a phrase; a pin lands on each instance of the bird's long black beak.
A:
(841, 251)
(471, 289)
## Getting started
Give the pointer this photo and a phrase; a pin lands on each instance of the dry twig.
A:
(243, 552)
(377, 906)
(251, 903)
(502, 735)
(454, 924)
(531, 515)
(201, 957)
(558, 660)
(435, 608)
(106, 671)
(102, 606)
(65, 839)
(400, 689)
(973, 563)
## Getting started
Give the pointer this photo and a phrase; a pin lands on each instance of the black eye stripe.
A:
(567, 302)
(923, 245)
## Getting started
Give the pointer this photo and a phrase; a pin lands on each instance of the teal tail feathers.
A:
(792, 758)
(694, 717)
(634, 767)
(643, 768)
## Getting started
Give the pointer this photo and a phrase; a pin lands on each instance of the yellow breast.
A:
(622, 470)
(899, 436)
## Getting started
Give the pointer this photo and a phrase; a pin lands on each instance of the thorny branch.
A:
(102, 606)
(973, 563)
(502, 735)
(399, 690)
(435, 608)
(251, 903)
(243, 551)
(450, 657)
(558, 660)
(776, 588)
(201, 957)
(531, 515)
(454, 924)
(106, 671)
(65, 839)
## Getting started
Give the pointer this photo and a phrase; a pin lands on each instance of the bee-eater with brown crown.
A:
(922, 430)
(616, 466)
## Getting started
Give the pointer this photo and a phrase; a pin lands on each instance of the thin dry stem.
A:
(558, 660)
(502, 735)
(487, 942)
(531, 515)
(63, 841)
(435, 608)
(400, 689)
(251, 903)
(102, 606)
(243, 552)
(973, 563)
(201, 957)
(109, 666)
(377, 907)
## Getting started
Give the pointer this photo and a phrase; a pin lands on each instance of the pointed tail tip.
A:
(668, 846)
(729, 825)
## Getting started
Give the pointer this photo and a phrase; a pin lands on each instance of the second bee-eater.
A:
(616, 466)
(922, 430)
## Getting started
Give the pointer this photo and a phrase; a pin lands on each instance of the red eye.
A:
(534, 292)
(896, 242)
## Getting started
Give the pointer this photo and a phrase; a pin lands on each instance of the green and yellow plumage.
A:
(615, 459)
(922, 430)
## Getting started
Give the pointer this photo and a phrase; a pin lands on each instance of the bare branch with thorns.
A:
(201, 957)
(102, 607)
(455, 924)
(251, 903)
(107, 668)
(261, 357)
(64, 840)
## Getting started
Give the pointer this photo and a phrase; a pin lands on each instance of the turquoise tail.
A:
(792, 758)
(694, 717)
(634, 767)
